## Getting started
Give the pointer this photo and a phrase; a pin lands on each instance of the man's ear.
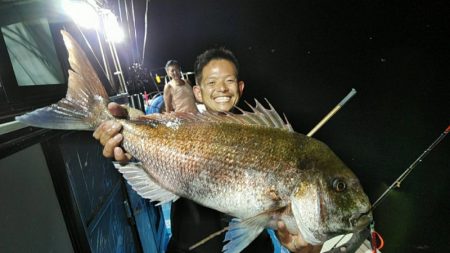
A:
(197, 93)
(241, 87)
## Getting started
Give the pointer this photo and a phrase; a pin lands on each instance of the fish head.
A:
(329, 199)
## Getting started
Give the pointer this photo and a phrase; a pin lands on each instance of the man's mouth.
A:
(222, 99)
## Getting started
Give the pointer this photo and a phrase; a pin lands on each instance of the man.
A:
(216, 76)
(217, 86)
(178, 96)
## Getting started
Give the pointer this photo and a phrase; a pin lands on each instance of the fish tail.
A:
(85, 104)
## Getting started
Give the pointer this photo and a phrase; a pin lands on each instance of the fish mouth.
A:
(361, 220)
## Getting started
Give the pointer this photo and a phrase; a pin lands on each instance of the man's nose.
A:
(222, 87)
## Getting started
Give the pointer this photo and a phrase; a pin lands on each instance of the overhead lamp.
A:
(82, 13)
(113, 31)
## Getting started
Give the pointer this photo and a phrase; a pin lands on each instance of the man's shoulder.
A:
(168, 86)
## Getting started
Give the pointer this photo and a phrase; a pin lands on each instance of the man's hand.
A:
(108, 133)
(295, 243)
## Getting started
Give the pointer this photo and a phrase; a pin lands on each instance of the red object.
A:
(374, 242)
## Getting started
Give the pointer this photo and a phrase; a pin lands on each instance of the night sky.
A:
(305, 56)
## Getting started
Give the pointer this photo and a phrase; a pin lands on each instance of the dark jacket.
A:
(192, 222)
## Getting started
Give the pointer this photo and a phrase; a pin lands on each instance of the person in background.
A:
(178, 96)
(218, 87)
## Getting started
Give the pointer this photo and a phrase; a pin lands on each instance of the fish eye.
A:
(339, 185)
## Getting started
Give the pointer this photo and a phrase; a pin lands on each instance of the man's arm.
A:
(108, 133)
(168, 97)
(295, 243)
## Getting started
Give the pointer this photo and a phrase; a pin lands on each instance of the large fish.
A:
(252, 166)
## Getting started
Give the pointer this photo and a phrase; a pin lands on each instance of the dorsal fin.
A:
(259, 115)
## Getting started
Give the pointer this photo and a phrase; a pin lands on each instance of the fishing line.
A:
(107, 70)
(134, 49)
(120, 11)
(145, 32)
(342, 237)
(134, 26)
(104, 70)
(118, 67)
(208, 238)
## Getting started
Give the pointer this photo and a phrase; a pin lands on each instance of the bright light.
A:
(113, 31)
(82, 13)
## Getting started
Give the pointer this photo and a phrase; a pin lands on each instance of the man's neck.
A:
(178, 82)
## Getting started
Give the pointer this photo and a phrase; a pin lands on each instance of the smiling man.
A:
(216, 76)
(218, 88)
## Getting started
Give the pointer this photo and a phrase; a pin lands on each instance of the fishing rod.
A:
(332, 112)
(400, 179)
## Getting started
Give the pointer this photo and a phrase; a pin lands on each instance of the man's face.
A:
(173, 71)
(219, 88)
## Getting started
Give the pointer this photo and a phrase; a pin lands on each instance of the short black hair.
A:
(172, 63)
(220, 53)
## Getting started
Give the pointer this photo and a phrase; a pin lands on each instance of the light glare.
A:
(82, 13)
(113, 31)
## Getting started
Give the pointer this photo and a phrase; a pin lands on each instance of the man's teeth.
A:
(222, 99)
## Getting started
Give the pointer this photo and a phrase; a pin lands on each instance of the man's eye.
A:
(211, 83)
(230, 81)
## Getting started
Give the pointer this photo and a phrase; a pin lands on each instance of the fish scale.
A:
(204, 175)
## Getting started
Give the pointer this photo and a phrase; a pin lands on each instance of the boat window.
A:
(32, 52)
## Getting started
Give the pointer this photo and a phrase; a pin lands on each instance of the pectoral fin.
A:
(140, 181)
(241, 233)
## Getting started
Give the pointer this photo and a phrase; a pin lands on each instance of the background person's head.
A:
(173, 69)
(216, 75)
